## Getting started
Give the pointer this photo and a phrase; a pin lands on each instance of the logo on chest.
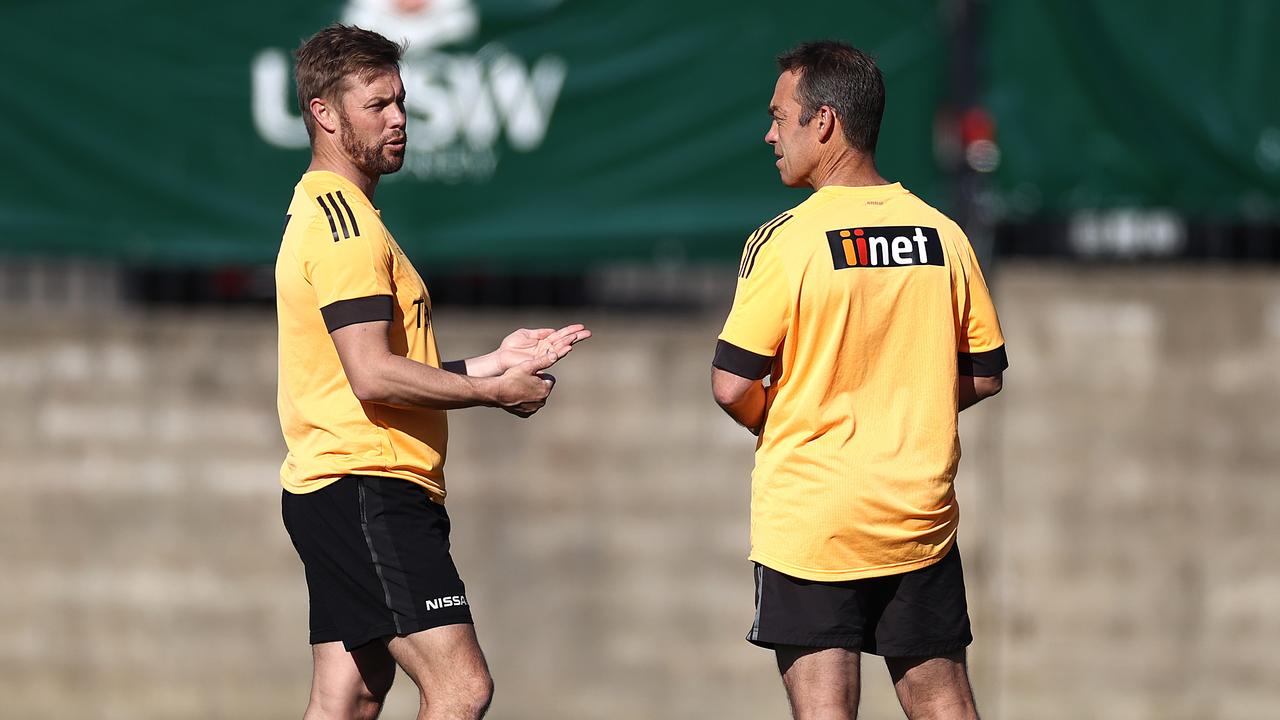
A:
(422, 312)
(890, 246)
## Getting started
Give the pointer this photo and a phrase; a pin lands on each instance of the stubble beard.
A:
(371, 158)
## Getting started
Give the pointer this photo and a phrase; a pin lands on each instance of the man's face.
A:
(371, 122)
(796, 146)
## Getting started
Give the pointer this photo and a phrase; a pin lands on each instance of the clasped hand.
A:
(525, 354)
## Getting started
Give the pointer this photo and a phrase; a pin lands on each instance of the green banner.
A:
(543, 133)
(1139, 104)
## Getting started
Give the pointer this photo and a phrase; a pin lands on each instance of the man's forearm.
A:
(403, 382)
(480, 366)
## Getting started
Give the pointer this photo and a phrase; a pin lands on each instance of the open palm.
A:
(524, 343)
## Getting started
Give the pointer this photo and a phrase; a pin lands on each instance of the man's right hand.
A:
(524, 388)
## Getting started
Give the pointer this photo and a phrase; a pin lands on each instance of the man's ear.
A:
(323, 114)
(826, 123)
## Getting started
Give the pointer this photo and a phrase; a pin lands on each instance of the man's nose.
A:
(398, 117)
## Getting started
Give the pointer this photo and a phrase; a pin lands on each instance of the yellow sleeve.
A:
(979, 340)
(761, 311)
(350, 267)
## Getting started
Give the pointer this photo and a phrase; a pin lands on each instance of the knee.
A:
(367, 707)
(954, 707)
(476, 692)
(356, 697)
(370, 691)
(481, 693)
(368, 701)
(943, 713)
(469, 694)
(361, 705)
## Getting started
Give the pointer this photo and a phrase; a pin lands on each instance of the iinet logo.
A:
(447, 602)
(895, 246)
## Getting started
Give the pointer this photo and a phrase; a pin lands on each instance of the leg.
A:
(822, 683)
(934, 688)
(449, 668)
(349, 684)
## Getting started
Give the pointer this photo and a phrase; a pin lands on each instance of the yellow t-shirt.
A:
(338, 265)
(864, 304)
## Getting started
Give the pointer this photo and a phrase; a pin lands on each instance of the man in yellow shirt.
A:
(868, 311)
(362, 400)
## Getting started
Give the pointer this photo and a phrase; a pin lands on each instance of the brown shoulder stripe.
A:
(333, 227)
(755, 236)
(755, 251)
(753, 243)
(342, 219)
(355, 229)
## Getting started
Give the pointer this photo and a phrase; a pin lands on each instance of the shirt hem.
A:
(850, 574)
(312, 485)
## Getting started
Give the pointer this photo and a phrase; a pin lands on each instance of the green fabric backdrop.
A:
(164, 132)
(1142, 103)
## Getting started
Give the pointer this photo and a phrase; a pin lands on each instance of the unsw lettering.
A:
(895, 246)
(447, 602)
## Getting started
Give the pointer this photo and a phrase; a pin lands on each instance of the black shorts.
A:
(921, 613)
(376, 555)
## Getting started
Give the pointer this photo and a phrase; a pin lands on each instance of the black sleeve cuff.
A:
(983, 364)
(742, 363)
(455, 366)
(356, 310)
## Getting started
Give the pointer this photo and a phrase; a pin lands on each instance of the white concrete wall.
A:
(1121, 501)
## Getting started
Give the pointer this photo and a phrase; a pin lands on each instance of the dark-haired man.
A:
(867, 309)
(362, 400)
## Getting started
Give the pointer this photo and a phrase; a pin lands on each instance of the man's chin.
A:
(388, 164)
(791, 182)
(393, 161)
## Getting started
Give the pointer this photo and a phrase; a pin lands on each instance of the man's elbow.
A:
(368, 387)
(728, 391)
(726, 397)
(367, 391)
(990, 386)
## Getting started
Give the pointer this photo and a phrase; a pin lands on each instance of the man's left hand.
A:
(524, 344)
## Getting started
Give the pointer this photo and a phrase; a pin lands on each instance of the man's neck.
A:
(340, 164)
(848, 169)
